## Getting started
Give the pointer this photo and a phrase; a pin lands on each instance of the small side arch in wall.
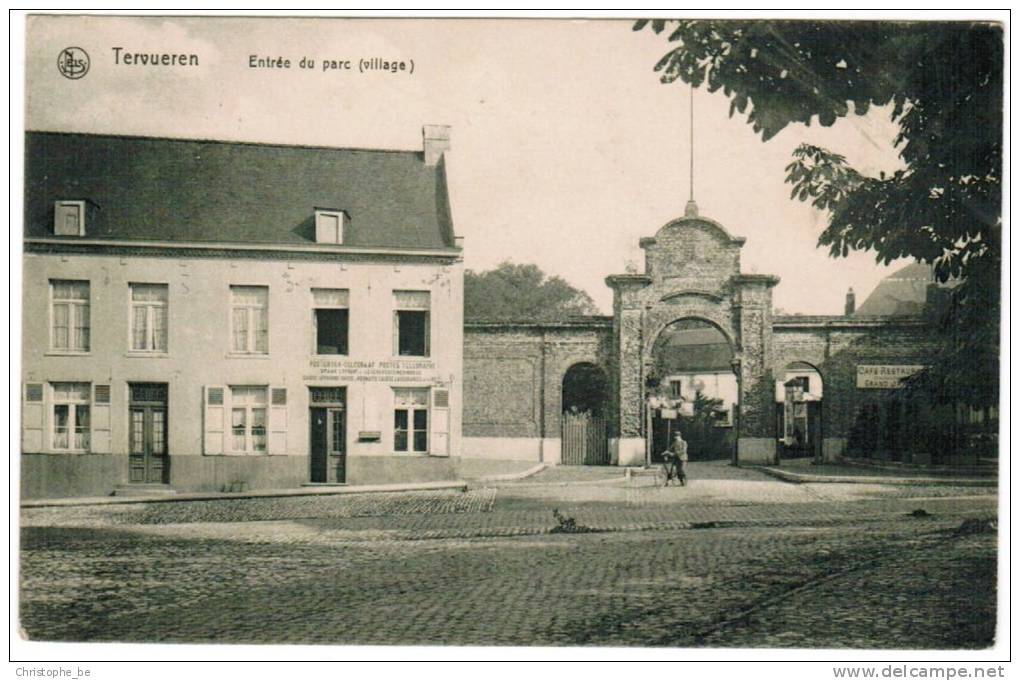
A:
(800, 412)
(584, 418)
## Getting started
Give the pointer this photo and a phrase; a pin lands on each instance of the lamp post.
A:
(651, 385)
(735, 368)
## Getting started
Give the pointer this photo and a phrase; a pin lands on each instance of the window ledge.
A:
(67, 353)
(143, 354)
(239, 454)
(247, 355)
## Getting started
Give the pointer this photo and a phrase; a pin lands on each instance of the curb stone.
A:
(458, 485)
(798, 478)
(510, 477)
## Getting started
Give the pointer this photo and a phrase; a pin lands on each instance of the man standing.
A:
(680, 458)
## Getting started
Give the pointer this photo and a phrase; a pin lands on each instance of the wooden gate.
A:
(584, 440)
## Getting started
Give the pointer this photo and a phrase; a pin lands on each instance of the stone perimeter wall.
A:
(836, 346)
(513, 376)
(513, 373)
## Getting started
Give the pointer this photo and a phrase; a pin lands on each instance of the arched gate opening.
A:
(799, 392)
(583, 420)
(692, 389)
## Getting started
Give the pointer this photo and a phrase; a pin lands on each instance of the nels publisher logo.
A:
(73, 62)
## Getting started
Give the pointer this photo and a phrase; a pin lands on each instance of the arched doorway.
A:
(693, 390)
(583, 419)
(799, 394)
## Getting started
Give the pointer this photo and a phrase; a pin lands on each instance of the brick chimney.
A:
(435, 141)
(851, 302)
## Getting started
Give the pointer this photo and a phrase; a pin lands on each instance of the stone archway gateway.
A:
(692, 284)
(692, 270)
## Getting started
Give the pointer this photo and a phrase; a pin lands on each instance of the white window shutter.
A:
(100, 436)
(396, 333)
(440, 420)
(32, 421)
(215, 418)
(278, 421)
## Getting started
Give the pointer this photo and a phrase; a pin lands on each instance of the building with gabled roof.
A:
(222, 316)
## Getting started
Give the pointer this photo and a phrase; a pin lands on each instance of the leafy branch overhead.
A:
(942, 84)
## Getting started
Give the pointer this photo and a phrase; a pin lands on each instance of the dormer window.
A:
(69, 218)
(330, 226)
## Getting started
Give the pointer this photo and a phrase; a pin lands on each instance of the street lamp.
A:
(651, 386)
(735, 368)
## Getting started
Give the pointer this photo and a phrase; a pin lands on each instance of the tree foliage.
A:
(943, 84)
(513, 292)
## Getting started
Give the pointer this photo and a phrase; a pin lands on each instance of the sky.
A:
(566, 148)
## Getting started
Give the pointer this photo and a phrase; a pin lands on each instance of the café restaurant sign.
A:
(885, 376)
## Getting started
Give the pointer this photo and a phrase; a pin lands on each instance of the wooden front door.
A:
(149, 458)
(328, 445)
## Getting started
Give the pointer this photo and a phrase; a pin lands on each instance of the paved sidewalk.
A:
(311, 491)
(516, 510)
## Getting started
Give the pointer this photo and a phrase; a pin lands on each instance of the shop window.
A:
(72, 417)
(69, 315)
(411, 311)
(149, 317)
(331, 318)
(411, 420)
(248, 418)
(249, 319)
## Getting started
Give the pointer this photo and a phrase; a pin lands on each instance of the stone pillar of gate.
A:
(756, 438)
(627, 444)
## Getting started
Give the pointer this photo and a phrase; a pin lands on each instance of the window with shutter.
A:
(71, 417)
(248, 419)
(411, 420)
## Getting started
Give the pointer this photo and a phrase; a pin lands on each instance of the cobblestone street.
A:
(734, 559)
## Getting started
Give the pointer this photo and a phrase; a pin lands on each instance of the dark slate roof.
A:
(689, 346)
(902, 294)
(200, 190)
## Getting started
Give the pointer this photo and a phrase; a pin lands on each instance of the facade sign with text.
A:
(885, 376)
